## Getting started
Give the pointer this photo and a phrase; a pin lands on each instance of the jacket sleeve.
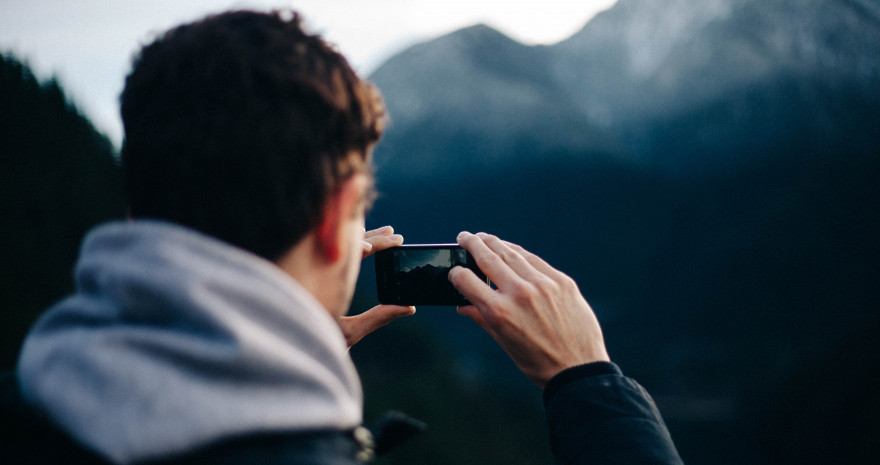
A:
(597, 415)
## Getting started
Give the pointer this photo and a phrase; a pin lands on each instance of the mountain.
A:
(706, 171)
(474, 88)
(479, 96)
(656, 55)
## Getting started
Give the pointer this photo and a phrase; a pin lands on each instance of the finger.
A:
(473, 288)
(472, 312)
(384, 242)
(383, 231)
(356, 327)
(381, 242)
(512, 257)
(381, 315)
(489, 262)
(537, 262)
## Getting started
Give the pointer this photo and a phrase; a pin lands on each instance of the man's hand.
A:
(537, 314)
(380, 239)
(356, 327)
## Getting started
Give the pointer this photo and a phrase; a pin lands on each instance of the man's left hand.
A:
(356, 327)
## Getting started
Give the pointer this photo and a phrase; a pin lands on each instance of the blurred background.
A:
(706, 170)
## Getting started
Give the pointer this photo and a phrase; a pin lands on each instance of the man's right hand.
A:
(536, 314)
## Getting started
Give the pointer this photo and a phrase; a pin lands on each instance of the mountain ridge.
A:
(480, 94)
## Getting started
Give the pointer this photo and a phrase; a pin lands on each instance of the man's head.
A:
(242, 126)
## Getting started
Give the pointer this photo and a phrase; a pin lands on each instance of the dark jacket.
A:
(594, 415)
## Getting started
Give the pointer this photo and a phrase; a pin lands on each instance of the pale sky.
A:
(87, 44)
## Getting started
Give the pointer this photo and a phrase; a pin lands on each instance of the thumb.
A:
(356, 327)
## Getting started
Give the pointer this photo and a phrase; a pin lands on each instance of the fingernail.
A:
(462, 235)
(367, 246)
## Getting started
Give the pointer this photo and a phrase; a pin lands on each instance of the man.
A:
(211, 327)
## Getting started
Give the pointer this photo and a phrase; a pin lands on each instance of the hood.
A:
(174, 340)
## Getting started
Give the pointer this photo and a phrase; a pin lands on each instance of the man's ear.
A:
(340, 207)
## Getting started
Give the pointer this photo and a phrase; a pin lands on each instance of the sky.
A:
(87, 44)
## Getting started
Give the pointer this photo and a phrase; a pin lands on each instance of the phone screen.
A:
(418, 274)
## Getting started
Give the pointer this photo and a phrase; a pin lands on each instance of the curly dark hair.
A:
(240, 125)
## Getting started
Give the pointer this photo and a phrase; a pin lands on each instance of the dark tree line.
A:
(58, 177)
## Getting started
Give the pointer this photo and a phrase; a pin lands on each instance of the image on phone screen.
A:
(418, 274)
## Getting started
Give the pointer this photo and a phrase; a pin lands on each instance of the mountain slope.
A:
(479, 98)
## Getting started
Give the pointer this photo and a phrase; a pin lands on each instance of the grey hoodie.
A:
(175, 340)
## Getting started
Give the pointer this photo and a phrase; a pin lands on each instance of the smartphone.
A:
(417, 274)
